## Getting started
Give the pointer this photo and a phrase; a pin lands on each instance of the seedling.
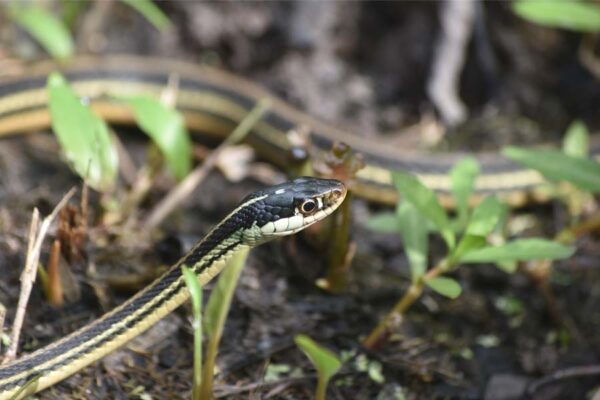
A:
(326, 363)
(466, 240)
(191, 280)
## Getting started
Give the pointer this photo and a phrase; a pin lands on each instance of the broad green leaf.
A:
(575, 15)
(385, 222)
(575, 142)
(463, 176)
(426, 202)
(413, 228)
(151, 12)
(49, 31)
(485, 217)
(520, 250)
(83, 137)
(324, 360)
(166, 128)
(581, 172)
(445, 286)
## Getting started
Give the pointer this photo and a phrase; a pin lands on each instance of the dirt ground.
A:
(364, 65)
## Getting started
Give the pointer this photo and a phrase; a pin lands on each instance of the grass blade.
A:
(216, 314)
(151, 12)
(46, 29)
(191, 280)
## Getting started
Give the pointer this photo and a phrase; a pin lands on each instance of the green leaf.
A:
(385, 222)
(215, 315)
(84, 138)
(413, 228)
(195, 289)
(576, 140)
(467, 244)
(575, 15)
(485, 217)
(151, 12)
(49, 31)
(510, 267)
(445, 286)
(221, 296)
(426, 202)
(462, 177)
(520, 250)
(324, 360)
(555, 165)
(167, 130)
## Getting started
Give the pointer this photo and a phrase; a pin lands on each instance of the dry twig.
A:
(37, 233)
(456, 17)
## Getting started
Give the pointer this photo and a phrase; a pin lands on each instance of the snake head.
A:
(292, 206)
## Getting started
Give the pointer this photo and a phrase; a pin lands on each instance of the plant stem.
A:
(393, 319)
(321, 392)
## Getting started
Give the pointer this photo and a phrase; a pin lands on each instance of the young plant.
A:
(326, 363)
(466, 240)
(191, 280)
(216, 314)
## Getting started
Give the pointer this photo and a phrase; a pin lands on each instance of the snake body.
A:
(213, 102)
(277, 211)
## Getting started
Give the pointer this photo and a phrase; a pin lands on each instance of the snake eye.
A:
(308, 206)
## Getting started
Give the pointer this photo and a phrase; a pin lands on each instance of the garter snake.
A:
(264, 215)
(213, 101)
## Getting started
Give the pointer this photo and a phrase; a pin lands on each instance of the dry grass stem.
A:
(37, 233)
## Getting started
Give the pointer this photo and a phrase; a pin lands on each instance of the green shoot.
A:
(576, 141)
(555, 165)
(167, 130)
(326, 363)
(46, 29)
(469, 244)
(191, 280)
(151, 12)
(580, 16)
(83, 137)
(412, 226)
(216, 314)
(425, 202)
(463, 176)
